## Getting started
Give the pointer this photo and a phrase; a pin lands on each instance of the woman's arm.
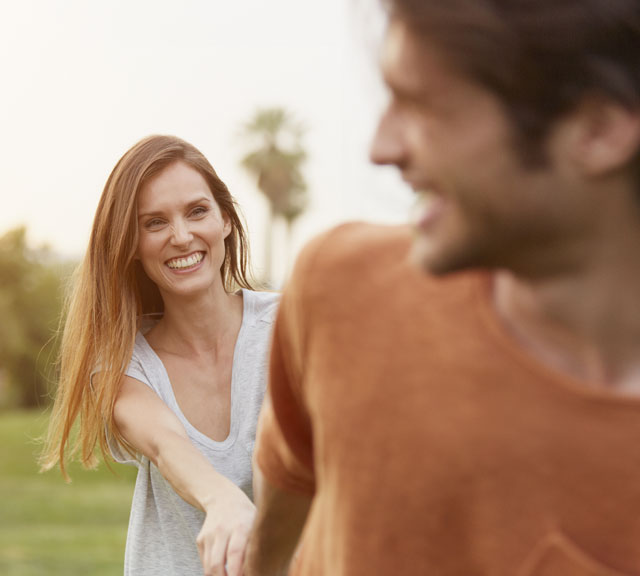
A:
(152, 428)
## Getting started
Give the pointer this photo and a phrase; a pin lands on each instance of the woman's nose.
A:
(180, 233)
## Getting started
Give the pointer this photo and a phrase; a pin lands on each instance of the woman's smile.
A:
(184, 263)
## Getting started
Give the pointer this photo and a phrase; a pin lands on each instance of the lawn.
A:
(48, 526)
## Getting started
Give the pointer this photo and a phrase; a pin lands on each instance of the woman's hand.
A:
(223, 537)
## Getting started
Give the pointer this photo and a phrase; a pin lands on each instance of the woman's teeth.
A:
(179, 263)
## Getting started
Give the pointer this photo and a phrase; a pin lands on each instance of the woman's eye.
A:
(198, 211)
(154, 223)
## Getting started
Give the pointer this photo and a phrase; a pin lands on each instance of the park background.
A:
(85, 79)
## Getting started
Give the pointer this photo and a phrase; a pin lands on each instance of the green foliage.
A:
(30, 306)
(50, 527)
(276, 159)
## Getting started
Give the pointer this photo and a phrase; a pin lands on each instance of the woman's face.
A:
(181, 231)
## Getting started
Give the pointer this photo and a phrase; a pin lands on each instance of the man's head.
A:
(491, 100)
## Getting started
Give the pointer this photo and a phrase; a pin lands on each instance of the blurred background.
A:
(281, 96)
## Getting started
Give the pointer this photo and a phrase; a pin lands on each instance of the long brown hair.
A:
(110, 294)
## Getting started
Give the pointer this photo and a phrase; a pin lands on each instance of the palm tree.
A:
(275, 160)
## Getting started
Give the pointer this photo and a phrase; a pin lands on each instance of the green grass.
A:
(48, 526)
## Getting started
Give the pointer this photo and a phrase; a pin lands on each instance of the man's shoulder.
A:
(368, 233)
(372, 259)
(356, 243)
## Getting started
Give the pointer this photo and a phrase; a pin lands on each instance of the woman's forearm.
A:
(150, 427)
(191, 475)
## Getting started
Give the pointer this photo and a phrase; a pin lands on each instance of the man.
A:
(482, 418)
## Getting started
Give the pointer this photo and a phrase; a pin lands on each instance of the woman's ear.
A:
(227, 224)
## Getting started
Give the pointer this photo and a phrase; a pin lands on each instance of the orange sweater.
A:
(432, 443)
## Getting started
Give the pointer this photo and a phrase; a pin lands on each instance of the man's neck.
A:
(584, 321)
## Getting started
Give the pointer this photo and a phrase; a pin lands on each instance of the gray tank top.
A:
(161, 539)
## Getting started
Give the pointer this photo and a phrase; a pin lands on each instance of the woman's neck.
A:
(203, 324)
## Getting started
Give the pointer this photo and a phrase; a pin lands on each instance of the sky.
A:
(83, 80)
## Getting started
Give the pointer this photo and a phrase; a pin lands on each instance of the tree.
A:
(275, 159)
(30, 306)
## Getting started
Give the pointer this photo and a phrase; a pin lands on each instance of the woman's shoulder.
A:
(261, 305)
(142, 357)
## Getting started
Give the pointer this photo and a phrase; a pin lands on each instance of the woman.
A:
(163, 363)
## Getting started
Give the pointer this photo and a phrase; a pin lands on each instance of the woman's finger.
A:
(216, 555)
(235, 552)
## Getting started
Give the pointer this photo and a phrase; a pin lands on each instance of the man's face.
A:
(478, 204)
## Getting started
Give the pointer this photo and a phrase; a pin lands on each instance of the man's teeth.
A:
(178, 263)
(422, 203)
(425, 194)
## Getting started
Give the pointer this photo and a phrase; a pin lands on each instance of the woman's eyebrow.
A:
(200, 200)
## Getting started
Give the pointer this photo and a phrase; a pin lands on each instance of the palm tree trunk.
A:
(268, 248)
(288, 249)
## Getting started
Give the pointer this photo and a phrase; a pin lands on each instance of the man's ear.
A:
(608, 136)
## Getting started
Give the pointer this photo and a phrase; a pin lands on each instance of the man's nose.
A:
(387, 146)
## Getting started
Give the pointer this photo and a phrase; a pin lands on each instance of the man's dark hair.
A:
(540, 57)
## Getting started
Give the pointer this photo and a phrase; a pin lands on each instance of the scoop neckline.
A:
(234, 426)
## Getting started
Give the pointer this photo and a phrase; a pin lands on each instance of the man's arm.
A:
(279, 521)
